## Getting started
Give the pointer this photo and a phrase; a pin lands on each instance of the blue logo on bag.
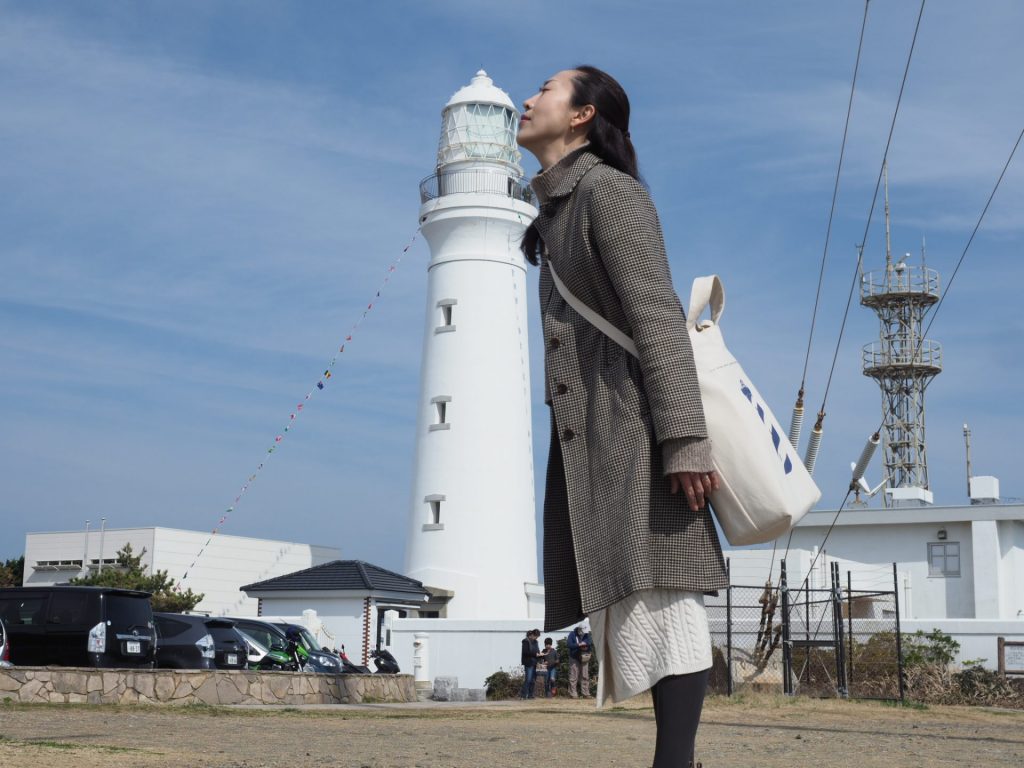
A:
(787, 463)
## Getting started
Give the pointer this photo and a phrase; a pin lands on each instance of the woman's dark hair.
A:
(608, 133)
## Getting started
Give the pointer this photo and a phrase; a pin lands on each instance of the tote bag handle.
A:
(706, 291)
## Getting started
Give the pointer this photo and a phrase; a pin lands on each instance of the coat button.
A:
(561, 389)
(555, 342)
(568, 434)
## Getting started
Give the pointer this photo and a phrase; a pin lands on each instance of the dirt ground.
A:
(770, 732)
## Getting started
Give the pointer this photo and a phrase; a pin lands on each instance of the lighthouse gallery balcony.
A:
(475, 181)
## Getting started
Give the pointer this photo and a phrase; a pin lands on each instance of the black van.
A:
(79, 626)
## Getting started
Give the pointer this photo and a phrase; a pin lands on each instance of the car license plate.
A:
(232, 659)
(133, 646)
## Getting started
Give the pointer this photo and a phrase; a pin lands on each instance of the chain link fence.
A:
(812, 642)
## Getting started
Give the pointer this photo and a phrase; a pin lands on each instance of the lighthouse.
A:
(472, 533)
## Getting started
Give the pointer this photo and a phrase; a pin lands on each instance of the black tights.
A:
(678, 700)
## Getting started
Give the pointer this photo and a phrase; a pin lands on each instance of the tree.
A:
(129, 573)
(12, 572)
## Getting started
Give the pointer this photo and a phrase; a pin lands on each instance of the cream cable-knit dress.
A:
(649, 635)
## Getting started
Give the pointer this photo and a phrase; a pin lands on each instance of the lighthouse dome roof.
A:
(481, 90)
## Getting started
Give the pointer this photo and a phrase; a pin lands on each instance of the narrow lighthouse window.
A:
(446, 307)
(441, 413)
(434, 512)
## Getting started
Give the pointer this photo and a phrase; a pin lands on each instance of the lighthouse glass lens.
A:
(478, 131)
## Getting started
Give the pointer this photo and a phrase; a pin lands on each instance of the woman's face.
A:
(548, 115)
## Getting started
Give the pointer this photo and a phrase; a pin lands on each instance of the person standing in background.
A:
(530, 654)
(550, 658)
(579, 644)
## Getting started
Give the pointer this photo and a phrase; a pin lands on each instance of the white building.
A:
(472, 530)
(227, 562)
(346, 600)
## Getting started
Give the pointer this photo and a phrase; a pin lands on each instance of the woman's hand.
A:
(696, 485)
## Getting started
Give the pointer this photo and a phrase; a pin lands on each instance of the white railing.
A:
(475, 181)
(900, 279)
(879, 355)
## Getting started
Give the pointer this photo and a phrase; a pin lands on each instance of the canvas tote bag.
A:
(765, 489)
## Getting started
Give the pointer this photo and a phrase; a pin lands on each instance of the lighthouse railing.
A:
(475, 181)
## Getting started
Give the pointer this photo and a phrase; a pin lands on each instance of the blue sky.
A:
(199, 198)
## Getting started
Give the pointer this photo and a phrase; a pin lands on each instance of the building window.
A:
(440, 404)
(434, 512)
(944, 558)
(447, 308)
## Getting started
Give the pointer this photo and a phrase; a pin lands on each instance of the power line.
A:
(835, 195)
(960, 261)
(794, 429)
(871, 211)
(860, 254)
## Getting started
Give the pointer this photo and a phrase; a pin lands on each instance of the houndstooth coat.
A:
(611, 525)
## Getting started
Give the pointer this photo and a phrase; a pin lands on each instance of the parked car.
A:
(78, 626)
(198, 642)
(269, 635)
(5, 648)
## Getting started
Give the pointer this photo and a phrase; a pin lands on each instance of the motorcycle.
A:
(386, 663)
(290, 657)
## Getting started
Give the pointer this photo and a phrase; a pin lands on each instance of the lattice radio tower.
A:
(904, 364)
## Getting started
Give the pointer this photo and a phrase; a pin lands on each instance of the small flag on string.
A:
(279, 438)
(319, 385)
(327, 373)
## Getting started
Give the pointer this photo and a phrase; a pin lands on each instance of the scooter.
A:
(347, 667)
(385, 662)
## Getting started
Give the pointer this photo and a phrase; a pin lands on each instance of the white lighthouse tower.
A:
(472, 529)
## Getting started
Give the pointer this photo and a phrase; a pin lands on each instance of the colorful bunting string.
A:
(293, 416)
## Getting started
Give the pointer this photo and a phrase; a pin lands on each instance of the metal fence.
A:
(813, 642)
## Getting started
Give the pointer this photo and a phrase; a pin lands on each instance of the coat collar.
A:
(561, 178)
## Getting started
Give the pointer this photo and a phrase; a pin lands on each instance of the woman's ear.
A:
(583, 117)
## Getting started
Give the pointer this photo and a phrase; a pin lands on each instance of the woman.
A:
(628, 538)
(531, 652)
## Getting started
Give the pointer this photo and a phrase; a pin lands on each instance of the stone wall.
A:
(201, 686)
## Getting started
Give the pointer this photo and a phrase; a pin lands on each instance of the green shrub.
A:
(502, 685)
(935, 647)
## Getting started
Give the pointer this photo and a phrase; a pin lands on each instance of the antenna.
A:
(903, 363)
(888, 248)
(967, 445)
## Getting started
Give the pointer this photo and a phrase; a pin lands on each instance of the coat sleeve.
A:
(626, 234)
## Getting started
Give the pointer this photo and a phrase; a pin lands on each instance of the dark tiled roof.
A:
(341, 575)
